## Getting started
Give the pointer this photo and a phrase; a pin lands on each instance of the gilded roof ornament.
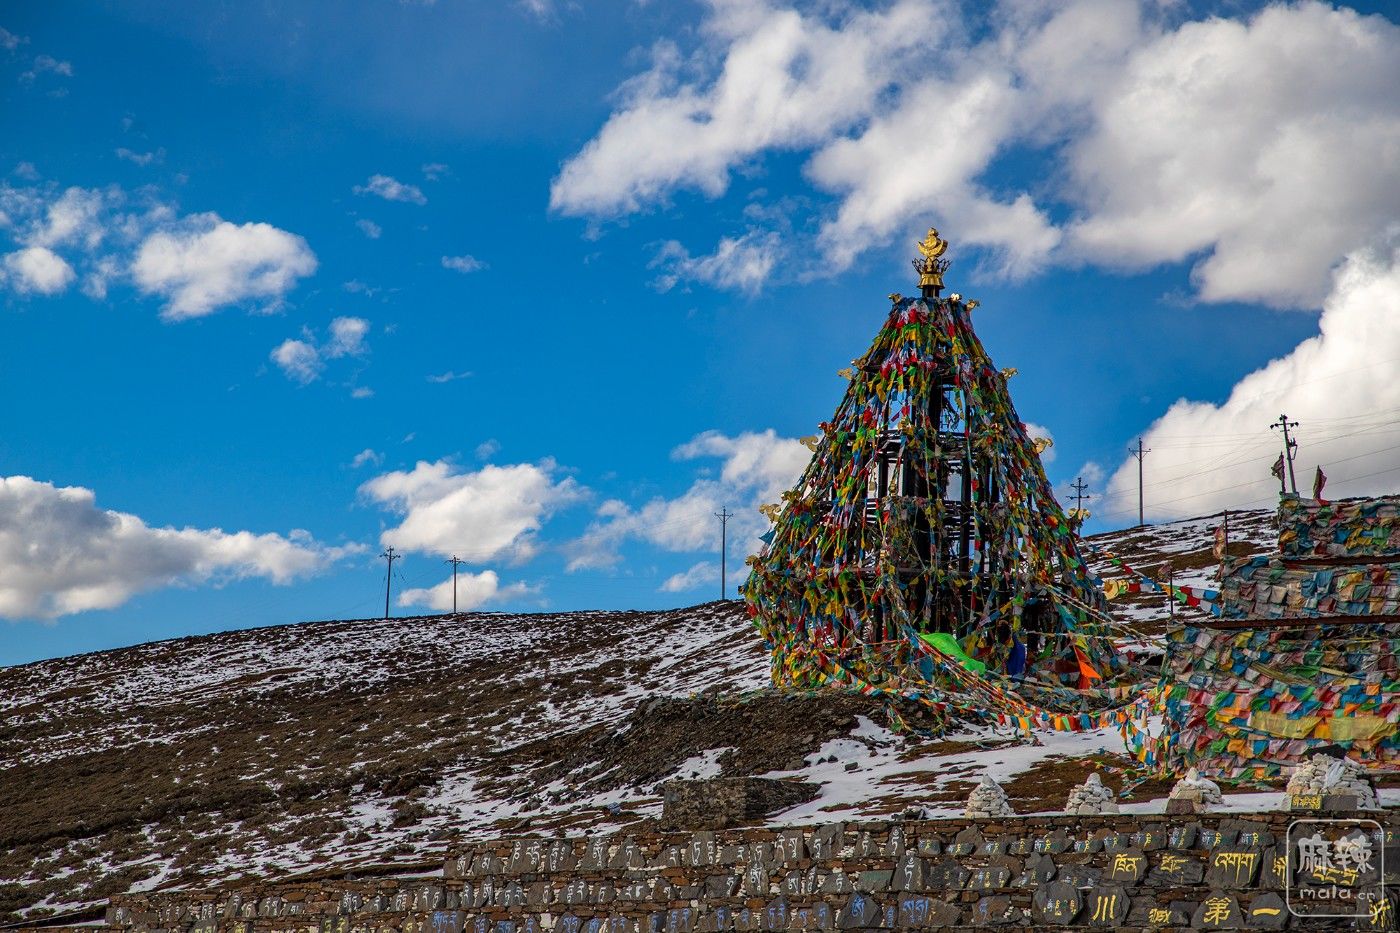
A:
(932, 266)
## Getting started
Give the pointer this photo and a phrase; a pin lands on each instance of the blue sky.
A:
(544, 285)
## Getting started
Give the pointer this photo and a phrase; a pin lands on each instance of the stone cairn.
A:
(1196, 791)
(1093, 796)
(1308, 776)
(1347, 778)
(987, 801)
(1328, 776)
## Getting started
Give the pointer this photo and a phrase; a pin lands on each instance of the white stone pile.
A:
(1093, 796)
(1308, 777)
(1346, 778)
(1325, 775)
(988, 801)
(1201, 792)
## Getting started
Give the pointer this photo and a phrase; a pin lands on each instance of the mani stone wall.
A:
(1098, 872)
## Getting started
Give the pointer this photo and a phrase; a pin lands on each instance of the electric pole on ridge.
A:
(1289, 445)
(724, 515)
(1140, 452)
(454, 560)
(389, 556)
(1079, 496)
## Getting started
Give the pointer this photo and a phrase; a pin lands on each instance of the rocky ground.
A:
(300, 748)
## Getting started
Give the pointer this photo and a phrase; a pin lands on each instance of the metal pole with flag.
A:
(1277, 470)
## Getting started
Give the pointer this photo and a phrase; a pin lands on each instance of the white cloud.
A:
(367, 456)
(74, 218)
(487, 449)
(542, 10)
(369, 228)
(435, 171)
(362, 392)
(61, 554)
(347, 337)
(783, 80)
(47, 64)
(698, 575)
(1218, 141)
(1270, 146)
(9, 41)
(449, 376)
(756, 469)
(303, 360)
(1340, 385)
(205, 263)
(198, 262)
(141, 158)
(492, 513)
(299, 360)
(463, 263)
(37, 269)
(391, 189)
(743, 264)
(473, 590)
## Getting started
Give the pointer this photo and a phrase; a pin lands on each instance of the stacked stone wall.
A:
(1109, 872)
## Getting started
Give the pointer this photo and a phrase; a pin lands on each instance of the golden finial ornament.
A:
(933, 265)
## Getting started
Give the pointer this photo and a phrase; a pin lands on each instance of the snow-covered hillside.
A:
(303, 747)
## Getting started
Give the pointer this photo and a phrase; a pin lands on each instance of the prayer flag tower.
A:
(924, 517)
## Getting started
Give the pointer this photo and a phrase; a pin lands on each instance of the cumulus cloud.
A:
(473, 590)
(37, 269)
(369, 228)
(698, 575)
(742, 264)
(391, 189)
(463, 263)
(488, 514)
(770, 78)
(1266, 188)
(756, 468)
(298, 360)
(367, 456)
(1216, 141)
(199, 262)
(1340, 385)
(303, 360)
(46, 64)
(141, 158)
(62, 554)
(206, 262)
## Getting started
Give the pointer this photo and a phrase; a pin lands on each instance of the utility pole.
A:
(1289, 445)
(724, 515)
(1079, 495)
(454, 561)
(389, 556)
(1140, 452)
